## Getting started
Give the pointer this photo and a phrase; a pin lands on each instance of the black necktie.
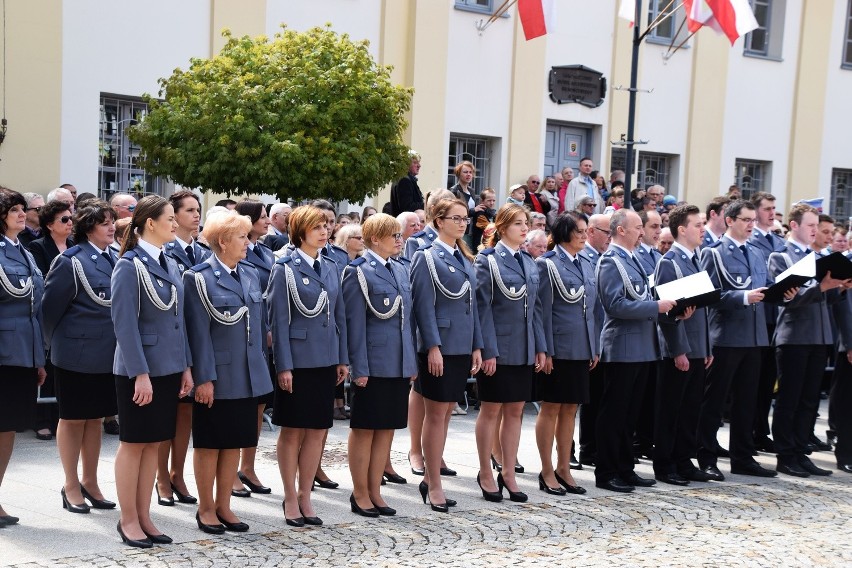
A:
(108, 256)
(235, 275)
(520, 263)
(190, 254)
(695, 263)
(457, 254)
(576, 262)
(325, 251)
(317, 267)
(769, 238)
(745, 254)
(163, 262)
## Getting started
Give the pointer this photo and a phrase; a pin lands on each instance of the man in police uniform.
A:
(715, 220)
(628, 344)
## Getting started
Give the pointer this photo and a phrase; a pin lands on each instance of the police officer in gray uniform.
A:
(77, 320)
(628, 344)
(152, 361)
(21, 342)
(225, 310)
(685, 347)
(307, 318)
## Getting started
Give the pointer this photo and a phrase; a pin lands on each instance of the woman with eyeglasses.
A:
(21, 343)
(308, 323)
(449, 337)
(152, 362)
(568, 295)
(77, 320)
(514, 345)
(381, 343)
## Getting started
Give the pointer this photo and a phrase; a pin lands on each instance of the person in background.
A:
(366, 213)
(32, 230)
(406, 194)
(539, 221)
(56, 220)
(63, 195)
(409, 222)
(124, 204)
(517, 193)
(463, 189)
(666, 240)
(549, 191)
(840, 239)
(279, 217)
(227, 204)
(350, 239)
(483, 214)
(615, 201)
(536, 244)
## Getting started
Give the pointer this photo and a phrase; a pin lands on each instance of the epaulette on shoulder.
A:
(284, 259)
(487, 251)
(71, 251)
(170, 245)
(417, 235)
(549, 254)
(609, 253)
(715, 244)
(129, 255)
(333, 246)
(358, 261)
(526, 253)
(201, 266)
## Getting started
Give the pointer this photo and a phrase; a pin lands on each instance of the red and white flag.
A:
(733, 18)
(627, 11)
(538, 17)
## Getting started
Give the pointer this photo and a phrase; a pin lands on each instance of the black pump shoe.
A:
(370, 513)
(96, 503)
(492, 496)
(184, 498)
(253, 487)
(209, 529)
(164, 501)
(158, 538)
(575, 489)
(144, 543)
(547, 489)
(437, 507)
(71, 507)
(394, 478)
(325, 483)
(234, 527)
(516, 496)
(413, 469)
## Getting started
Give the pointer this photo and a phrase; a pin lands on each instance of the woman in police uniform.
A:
(21, 344)
(510, 313)
(224, 310)
(152, 361)
(568, 294)
(377, 296)
(309, 343)
(77, 321)
(449, 339)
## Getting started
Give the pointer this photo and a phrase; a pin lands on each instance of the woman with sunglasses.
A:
(77, 320)
(449, 339)
(377, 296)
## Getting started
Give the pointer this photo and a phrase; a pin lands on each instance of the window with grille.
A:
(484, 6)
(474, 150)
(671, 27)
(118, 167)
(752, 176)
(841, 194)
(847, 44)
(654, 169)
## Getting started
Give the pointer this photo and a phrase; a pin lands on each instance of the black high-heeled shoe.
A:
(8, 520)
(448, 472)
(235, 527)
(253, 487)
(575, 489)
(394, 478)
(184, 498)
(385, 511)
(144, 543)
(419, 472)
(209, 529)
(298, 522)
(96, 503)
(71, 507)
(164, 501)
(243, 493)
(158, 538)
(495, 465)
(547, 489)
(437, 507)
(370, 513)
(516, 496)
(314, 521)
(519, 468)
(325, 483)
(492, 496)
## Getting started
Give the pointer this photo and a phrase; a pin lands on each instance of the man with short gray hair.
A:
(538, 221)
(63, 195)
(124, 205)
(536, 244)
(279, 218)
(410, 223)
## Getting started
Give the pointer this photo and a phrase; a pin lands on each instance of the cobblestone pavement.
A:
(741, 522)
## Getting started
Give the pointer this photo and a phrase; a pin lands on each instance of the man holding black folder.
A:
(685, 347)
(802, 332)
(737, 328)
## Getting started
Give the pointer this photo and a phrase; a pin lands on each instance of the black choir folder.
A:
(694, 290)
(838, 263)
(807, 269)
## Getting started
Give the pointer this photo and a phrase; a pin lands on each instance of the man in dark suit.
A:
(714, 226)
(32, 230)
(406, 194)
(279, 217)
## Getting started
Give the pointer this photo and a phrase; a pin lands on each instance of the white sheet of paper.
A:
(686, 287)
(651, 280)
(805, 267)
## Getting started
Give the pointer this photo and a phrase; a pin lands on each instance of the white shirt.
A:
(306, 258)
(153, 252)
(689, 254)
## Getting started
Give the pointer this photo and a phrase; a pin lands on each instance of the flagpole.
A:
(631, 109)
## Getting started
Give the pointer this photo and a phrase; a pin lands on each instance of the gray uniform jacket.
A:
(418, 239)
(804, 320)
(148, 339)
(692, 336)
(77, 328)
(630, 326)
(842, 311)
(504, 336)
(732, 322)
(262, 259)
(593, 257)
(767, 245)
(648, 260)
(174, 250)
(569, 327)
(379, 347)
(338, 255)
(232, 356)
(299, 341)
(21, 340)
(451, 324)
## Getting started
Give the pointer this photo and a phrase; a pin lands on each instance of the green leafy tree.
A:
(304, 115)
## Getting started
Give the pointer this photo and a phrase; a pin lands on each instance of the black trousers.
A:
(678, 401)
(800, 368)
(736, 369)
(589, 415)
(645, 422)
(765, 389)
(841, 396)
(624, 384)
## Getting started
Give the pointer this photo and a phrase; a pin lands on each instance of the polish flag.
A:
(730, 17)
(627, 10)
(537, 17)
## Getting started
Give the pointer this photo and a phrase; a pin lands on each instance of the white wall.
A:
(120, 47)
(361, 19)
